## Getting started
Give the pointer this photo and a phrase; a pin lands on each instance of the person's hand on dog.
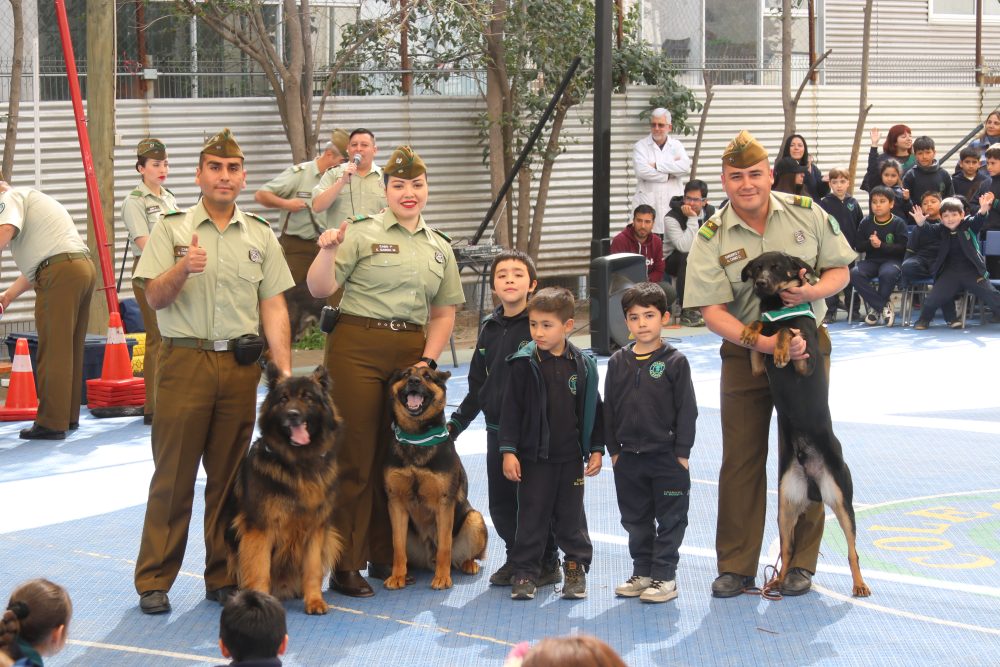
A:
(332, 238)
(793, 296)
(594, 464)
(511, 467)
(797, 346)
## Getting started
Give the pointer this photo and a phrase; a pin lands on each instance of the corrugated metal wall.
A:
(443, 130)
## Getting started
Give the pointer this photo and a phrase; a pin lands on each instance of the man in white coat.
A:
(662, 166)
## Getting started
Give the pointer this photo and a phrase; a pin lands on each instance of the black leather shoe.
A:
(351, 584)
(221, 595)
(382, 572)
(729, 584)
(154, 602)
(74, 425)
(797, 582)
(148, 419)
(37, 432)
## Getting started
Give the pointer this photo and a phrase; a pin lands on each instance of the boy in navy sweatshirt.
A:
(882, 237)
(959, 264)
(649, 416)
(502, 334)
(550, 424)
(926, 174)
(846, 210)
(968, 180)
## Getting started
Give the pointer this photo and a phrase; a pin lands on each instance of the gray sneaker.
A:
(575, 587)
(503, 575)
(728, 585)
(549, 575)
(660, 591)
(633, 587)
(522, 589)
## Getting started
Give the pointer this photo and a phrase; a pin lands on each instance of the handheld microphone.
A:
(357, 159)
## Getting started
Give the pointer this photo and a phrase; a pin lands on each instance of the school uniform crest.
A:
(656, 369)
(572, 384)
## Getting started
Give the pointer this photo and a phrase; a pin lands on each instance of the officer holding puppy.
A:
(216, 276)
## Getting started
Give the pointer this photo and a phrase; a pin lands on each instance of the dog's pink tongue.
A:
(300, 435)
(414, 401)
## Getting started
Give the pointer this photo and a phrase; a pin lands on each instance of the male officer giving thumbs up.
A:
(216, 276)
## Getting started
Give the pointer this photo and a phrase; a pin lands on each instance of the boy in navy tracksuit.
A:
(959, 264)
(968, 180)
(922, 250)
(926, 174)
(846, 210)
(551, 423)
(649, 416)
(882, 237)
(502, 334)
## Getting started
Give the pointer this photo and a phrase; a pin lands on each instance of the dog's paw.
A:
(783, 348)
(470, 567)
(395, 582)
(750, 333)
(440, 583)
(861, 590)
(316, 606)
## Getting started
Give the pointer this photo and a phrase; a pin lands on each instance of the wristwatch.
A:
(433, 365)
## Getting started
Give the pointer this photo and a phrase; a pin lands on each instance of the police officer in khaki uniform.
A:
(216, 276)
(401, 286)
(757, 220)
(141, 210)
(291, 192)
(355, 188)
(54, 260)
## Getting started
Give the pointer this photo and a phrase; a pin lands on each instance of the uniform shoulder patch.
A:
(834, 225)
(441, 234)
(170, 213)
(799, 200)
(298, 168)
(708, 230)
(257, 218)
(135, 193)
(358, 218)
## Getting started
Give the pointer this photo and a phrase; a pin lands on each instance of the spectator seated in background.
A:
(969, 181)
(846, 210)
(898, 146)
(813, 183)
(882, 237)
(922, 249)
(789, 176)
(993, 167)
(926, 174)
(982, 143)
(252, 630)
(681, 224)
(638, 237)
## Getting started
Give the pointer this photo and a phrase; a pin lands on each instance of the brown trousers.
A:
(205, 410)
(299, 255)
(62, 312)
(149, 357)
(746, 419)
(361, 361)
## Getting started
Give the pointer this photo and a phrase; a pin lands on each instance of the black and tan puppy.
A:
(433, 524)
(811, 460)
(281, 537)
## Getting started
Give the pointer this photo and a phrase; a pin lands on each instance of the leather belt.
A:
(372, 323)
(61, 257)
(223, 345)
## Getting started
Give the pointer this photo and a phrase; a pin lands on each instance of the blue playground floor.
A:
(918, 414)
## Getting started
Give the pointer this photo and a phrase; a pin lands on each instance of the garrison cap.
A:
(404, 163)
(339, 138)
(743, 151)
(151, 148)
(222, 145)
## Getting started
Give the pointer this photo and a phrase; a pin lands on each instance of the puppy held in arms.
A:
(433, 524)
(281, 536)
(810, 459)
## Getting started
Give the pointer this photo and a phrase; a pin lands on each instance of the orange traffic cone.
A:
(22, 401)
(117, 393)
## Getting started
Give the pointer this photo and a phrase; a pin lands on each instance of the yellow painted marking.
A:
(145, 651)
(913, 543)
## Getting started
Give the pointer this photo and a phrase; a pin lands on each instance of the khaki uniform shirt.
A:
(389, 273)
(44, 228)
(141, 209)
(297, 182)
(245, 266)
(361, 195)
(725, 244)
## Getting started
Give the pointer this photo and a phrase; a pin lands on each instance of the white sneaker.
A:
(888, 314)
(634, 586)
(871, 319)
(660, 591)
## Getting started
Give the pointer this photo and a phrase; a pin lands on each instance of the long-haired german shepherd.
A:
(280, 534)
(811, 463)
(433, 524)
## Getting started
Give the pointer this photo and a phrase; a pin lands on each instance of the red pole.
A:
(93, 198)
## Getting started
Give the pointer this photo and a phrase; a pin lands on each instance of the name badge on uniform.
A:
(385, 248)
(733, 257)
(255, 256)
(799, 236)
(180, 250)
(303, 195)
(439, 257)
(155, 208)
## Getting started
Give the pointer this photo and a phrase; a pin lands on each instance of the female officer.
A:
(401, 287)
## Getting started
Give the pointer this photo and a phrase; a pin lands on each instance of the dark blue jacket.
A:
(968, 240)
(524, 427)
(847, 213)
(892, 234)
(650, 406)
(919, 180)
(924, 241)
(499, 338)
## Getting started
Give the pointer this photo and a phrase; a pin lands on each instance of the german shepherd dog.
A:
(433, 524)
(280, 534)
(810, 461)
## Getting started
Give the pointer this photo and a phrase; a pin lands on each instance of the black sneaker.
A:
(522, 589)
(797, 582)
(729, 584)
(575, 587)
(503, 575)
(550, 574)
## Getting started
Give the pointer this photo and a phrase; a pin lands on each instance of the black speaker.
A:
(609, 277)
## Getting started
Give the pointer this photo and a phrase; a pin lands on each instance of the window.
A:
(962, 9)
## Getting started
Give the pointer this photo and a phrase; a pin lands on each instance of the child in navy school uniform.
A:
(252, 630)
(847, 212)
(922, 250)
(882, 237)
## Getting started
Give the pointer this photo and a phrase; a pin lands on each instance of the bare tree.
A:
(14, 104)
(709, 94)
(789, 102)
(863, 106)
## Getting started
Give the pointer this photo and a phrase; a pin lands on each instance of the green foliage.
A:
(312, 339)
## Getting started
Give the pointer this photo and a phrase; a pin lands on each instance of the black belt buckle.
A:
(247, 349)
(328, 318)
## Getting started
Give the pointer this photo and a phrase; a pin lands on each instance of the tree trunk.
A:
(14, 104)
(709, 94)
(308, 70)
(498, 103)
(404, 50)
(523, 208)
(292, 79)
(863, 106)
(787, 103)
(548, 162)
